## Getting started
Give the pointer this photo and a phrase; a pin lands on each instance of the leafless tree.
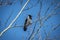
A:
(41, 20)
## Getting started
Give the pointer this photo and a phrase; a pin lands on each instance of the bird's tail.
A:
(25, 28)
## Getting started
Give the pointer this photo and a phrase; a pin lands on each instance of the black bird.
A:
(28, 21)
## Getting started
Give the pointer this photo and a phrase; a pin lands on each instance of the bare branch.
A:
(39, 19)
(56, 26)
(8, 19)
(52, 29)
(14, 18)
(7, 2)
(52, 3)
(32, 32)
(31, 6)
(51, 14)
(21, 1)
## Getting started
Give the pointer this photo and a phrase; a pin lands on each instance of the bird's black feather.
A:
(26, 22)
(25, 28)
(30, 16)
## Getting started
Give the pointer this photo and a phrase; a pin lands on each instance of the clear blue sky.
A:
(18, 33)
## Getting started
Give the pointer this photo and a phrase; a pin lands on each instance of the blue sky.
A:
(18, 33)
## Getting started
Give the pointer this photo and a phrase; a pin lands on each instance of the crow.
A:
(28, 21)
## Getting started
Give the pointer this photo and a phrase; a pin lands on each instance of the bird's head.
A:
(30, 16)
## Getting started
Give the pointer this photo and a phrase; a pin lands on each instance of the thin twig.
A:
(39, 19)
(32, 31)
(51, 14)
(31, 6)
